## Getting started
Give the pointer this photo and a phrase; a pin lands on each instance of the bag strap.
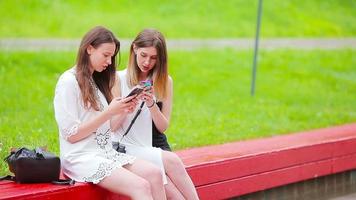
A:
(8, 178)
(57, 182)
(64, 182)
(133, 120)
(39, 153)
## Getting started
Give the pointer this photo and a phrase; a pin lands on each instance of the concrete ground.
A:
(56, 44)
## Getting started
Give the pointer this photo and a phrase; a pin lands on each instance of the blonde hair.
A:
(159, 74)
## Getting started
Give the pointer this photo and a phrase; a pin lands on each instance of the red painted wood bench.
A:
(234, 169)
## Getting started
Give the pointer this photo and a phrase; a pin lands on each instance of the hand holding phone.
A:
(136, 91)
(122, 105)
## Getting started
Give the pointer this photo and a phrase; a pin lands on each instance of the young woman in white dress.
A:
(148, 61)
(85, 110)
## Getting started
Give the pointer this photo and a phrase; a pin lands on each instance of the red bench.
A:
(234, 169)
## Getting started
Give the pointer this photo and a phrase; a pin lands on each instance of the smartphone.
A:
(147, 83)
(135, 91)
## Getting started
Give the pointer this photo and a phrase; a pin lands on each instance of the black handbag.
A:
(34, 166)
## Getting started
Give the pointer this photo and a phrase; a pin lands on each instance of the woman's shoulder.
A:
(68, 78)
(121, 73)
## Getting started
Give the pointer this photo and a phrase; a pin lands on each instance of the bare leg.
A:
(172, 192)
(176, 171)
(152, 174)
(122, 181)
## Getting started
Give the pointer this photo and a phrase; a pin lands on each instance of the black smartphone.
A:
(135, 91)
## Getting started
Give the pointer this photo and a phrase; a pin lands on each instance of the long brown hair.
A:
(104, 80)
(159, 74)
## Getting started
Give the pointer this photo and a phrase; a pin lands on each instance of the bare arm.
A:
(87, 128)
(162, 118)
(117, 107)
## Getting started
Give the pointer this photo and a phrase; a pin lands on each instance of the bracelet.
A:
(151, 105)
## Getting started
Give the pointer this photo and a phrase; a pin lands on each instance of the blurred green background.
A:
(178, 18)
(296, 89)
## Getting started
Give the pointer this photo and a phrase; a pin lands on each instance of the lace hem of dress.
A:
(71, 131)
(105, 169)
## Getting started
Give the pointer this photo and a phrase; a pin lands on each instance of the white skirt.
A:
(94, 166)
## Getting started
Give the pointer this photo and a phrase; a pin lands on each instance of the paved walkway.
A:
(189, 44)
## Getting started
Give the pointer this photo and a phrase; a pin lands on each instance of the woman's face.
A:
(146, 58)
(100, 57)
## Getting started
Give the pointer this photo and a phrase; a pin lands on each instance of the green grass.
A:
(296, 90)
(179, 18)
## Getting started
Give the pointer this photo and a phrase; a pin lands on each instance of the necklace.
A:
(96, 93)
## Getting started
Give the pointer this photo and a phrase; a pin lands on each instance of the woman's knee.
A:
(172, 160)
(155, 175)
(141, 186)
(147, 170)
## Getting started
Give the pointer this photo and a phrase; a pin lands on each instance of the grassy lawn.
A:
(179, 18)
(296, 90)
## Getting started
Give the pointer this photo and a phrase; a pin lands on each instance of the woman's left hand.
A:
(147, 96)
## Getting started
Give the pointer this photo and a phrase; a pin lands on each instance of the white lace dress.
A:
(138, 141)
(90, 159)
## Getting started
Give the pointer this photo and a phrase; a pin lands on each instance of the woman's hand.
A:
(147, 97)
(122, 105)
